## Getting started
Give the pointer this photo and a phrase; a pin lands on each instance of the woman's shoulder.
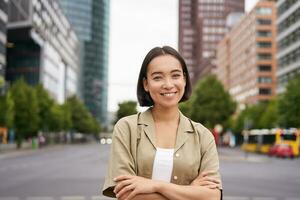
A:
(128, 120)
(201, 129)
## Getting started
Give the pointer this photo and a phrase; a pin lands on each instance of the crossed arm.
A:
(138, 188)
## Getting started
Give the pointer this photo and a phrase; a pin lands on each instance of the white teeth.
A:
(168, 94)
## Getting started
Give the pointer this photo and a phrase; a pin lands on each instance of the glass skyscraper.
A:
(90, 19)
(3, 21)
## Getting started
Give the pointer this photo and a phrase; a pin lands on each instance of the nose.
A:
(168, 84)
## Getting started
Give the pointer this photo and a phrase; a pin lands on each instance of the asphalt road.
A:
(76, 172)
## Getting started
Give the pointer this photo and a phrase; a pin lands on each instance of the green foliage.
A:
(269, 118)
(6, 110)
(82, 120)
(26, 110)
(126, 108)
(56, 118)
(45, 103)
(289, 106)
(210, 103)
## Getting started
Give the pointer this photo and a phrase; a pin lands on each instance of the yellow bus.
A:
(290, 137)
(260, 140)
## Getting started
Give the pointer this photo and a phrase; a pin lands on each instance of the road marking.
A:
(39, 198)
(292, 198)
(9, 198)
(235, 198)
(73, 198)
(100, 198)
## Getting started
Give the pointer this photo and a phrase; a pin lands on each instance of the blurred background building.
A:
(246, 57)
(288, 39)
(90, 19)
(3, 22)
(42, 47)
(202, 24)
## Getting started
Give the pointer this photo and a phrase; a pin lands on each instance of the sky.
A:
(136, 26)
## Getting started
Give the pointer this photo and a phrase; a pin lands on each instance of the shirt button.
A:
(175, 177)
(177, 154)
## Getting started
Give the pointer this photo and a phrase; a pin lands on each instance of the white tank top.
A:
(163, 164)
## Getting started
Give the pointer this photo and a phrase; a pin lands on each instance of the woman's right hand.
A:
(204, 180)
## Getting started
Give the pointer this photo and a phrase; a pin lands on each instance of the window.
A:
(264, 79)
(264, 34)
(264, 22)
(264, 11)
(264, 68)
(264, 44)
(264, 91)
(264, 56)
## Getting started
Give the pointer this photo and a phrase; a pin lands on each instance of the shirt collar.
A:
(185, 126)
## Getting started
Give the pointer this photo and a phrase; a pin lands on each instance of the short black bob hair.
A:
(144, 97)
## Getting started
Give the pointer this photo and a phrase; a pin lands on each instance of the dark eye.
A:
(156, 78)
(176, 75)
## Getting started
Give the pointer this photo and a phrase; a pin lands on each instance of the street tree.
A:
(289, 106)
(82, 120)
(210, 103)
(26, 111)
(6, 110)
(270, 118)
(126, 108)
(45, 103)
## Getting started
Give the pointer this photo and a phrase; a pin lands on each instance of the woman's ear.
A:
(145, 84)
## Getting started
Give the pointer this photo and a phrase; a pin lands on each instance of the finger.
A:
(216, 186)
(122, 177)
(131, 195)
(120, 185)
(124, 190)
(203, 174)
(210, 179)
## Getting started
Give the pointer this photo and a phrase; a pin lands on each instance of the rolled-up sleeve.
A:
(209, 156)
(121, 161)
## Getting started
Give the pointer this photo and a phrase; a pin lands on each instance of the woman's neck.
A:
(165, 115)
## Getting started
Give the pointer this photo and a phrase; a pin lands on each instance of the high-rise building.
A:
(3, 22)
(246, 57)
(288, 39)
(90, 19)
(202, 24)
(42, 47)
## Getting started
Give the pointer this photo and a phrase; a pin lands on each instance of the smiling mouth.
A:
(168, 94)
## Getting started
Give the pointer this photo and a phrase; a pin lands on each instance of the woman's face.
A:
(165, 81)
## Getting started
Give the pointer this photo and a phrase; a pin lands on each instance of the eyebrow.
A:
(175, 70)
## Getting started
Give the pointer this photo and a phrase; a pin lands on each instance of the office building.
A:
(3, 23)
(43, 47)
(288, 40)
(90, 19)
(202, 24)
(246, 57)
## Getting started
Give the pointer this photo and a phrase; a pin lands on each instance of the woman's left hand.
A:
(134, 184)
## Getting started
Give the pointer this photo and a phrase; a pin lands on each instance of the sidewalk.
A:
(10, 150)
(227, 153)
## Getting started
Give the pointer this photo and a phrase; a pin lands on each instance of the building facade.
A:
(288, 39)
(3, 23)
(43, 47)
(90, 19)
(246, 57)
(202, 24)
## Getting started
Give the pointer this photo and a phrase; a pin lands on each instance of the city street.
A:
(76, 172)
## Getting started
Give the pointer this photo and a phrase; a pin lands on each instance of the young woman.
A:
(160, 154)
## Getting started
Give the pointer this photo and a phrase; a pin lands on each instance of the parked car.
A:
(284, 151)
(273, 150)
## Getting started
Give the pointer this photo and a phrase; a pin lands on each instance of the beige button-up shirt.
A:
(134, 146)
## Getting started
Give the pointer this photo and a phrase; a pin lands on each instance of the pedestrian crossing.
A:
(106, 198)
